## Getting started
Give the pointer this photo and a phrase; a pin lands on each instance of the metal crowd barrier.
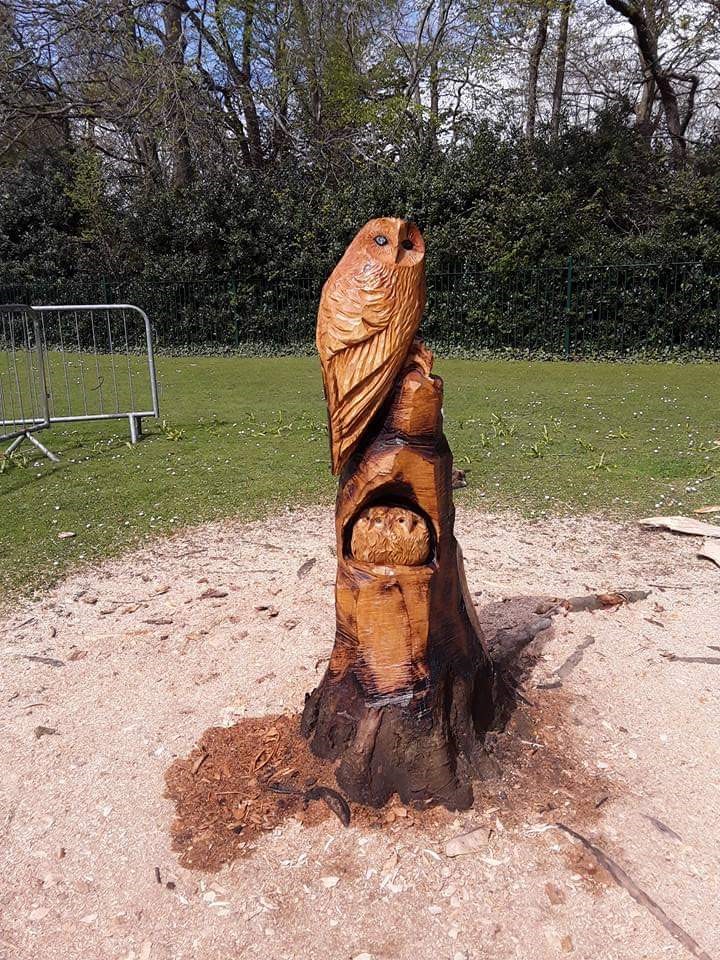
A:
(76, 362)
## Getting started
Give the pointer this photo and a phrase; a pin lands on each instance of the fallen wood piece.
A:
(44, 732)
(672, 657)
(713, 509)
(48, 661)
(694, 528)
(510, 641)
(331, 798)
(593, 601)
(710, 551)
(662, 827)
(625, 881)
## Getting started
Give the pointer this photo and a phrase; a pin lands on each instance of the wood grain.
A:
(409, 691)
(369, 313)
(390, 535)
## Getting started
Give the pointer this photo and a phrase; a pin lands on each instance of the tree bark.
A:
(560, 65)
(409, 691)
(536, 52)
(175, 56)
(647, 42)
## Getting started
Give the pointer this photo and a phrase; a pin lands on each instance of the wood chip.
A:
(555, 894)
(715, 509)
(306, 567)
(213, 593)
(694, 528)
(199, 762)
(467, 843)
(267, 608)
(66, 535)
(44, 732)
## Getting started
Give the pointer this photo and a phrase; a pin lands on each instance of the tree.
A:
(643, 16)
(560, 67)
(174, 45)
(536, 52)
(410, 691)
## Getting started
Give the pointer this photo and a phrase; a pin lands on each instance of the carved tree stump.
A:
(409, 691)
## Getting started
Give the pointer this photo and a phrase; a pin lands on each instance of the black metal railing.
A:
(571, 310)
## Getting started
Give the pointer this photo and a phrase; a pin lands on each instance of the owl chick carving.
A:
(390, 535)
(370, 310)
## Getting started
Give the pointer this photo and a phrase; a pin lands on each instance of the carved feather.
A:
(369, 313)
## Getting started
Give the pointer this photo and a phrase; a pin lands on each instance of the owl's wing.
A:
(363, 336)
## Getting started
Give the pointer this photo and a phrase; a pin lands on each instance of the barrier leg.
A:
(135, 428)
(35, 442)
(42, 448)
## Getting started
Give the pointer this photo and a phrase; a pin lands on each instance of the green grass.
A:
(243, 435)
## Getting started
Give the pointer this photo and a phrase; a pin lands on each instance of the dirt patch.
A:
(128, 663)
(242, 781)
(223, 790)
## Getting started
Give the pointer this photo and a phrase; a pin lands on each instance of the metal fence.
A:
(24, 405)
(570, 310)
(74, 362)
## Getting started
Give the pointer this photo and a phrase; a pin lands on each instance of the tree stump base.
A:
(409, 692)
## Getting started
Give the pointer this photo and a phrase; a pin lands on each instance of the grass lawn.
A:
(242, 435)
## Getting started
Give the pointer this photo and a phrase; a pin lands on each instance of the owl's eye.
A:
(407, 244)
(381, 241)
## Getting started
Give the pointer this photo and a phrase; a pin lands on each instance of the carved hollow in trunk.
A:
(409, 692)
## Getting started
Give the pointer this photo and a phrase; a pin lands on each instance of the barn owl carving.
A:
(369, 313)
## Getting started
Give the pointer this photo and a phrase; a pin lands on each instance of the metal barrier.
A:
(24, 407)
(76, 362)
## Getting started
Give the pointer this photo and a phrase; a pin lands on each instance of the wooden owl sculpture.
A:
(409, 689)
(369, 313)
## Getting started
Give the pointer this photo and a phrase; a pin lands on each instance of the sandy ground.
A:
(143, 665)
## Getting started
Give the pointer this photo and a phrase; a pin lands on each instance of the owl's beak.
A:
(403, 233)
(403, 253)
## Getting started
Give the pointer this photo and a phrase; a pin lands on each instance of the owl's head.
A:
(392, 240)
